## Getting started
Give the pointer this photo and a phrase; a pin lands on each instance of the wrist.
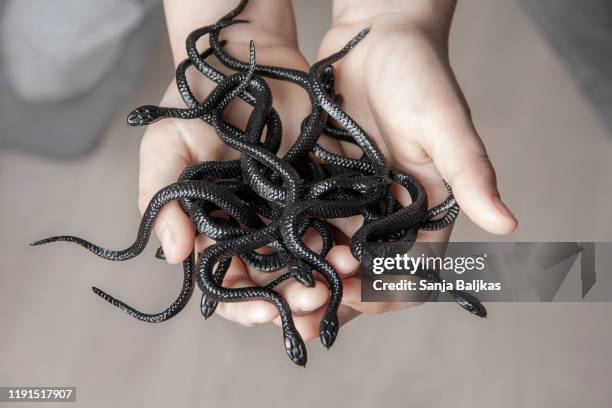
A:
(432, 15)
(270, 21)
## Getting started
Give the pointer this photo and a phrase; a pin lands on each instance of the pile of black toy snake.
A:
(271, 201)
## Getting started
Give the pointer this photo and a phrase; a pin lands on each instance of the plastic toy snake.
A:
(263, 200)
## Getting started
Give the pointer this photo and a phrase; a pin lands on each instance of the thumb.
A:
(441, 126)
(462, 160)
(162, 158)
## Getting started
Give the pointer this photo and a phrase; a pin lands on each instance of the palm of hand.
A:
(174, 144)
(395, 97)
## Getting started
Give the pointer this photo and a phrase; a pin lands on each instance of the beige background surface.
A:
(551, 153)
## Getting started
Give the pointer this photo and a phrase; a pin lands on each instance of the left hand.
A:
(398, 85)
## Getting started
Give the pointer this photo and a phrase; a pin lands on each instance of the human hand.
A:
(398, 85)
(171, 145)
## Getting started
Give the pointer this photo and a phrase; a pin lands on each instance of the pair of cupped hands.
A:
(397, 84)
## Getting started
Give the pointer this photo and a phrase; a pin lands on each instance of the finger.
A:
(449, 138)
(437, 192)
(462, 160)
(429, 118)
(460, 157)
(300, 299)
(163, 156)
(245, 313)
(341, 258)
(308, 325)
(352, 298)
(303, 300)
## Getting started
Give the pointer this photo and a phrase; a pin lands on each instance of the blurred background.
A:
(542, 111)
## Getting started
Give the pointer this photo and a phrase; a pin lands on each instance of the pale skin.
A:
(397, 84)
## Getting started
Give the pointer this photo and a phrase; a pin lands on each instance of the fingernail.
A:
(164, 234)
(503, 208)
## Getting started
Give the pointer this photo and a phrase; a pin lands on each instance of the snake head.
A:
(372, 185)
(469, 303)
(295, 347)
(159, 254)
(328, 79)
(328, 329)
(302, 273)
(207, 306)
(144, 115)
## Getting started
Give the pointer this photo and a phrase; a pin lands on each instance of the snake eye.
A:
(380, 180)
